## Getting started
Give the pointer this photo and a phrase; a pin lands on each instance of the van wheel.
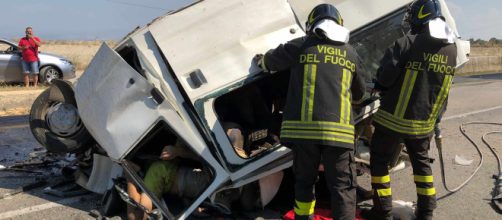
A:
(49, 73)
(55, 123)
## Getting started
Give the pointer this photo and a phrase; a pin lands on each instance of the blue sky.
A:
(477, 19)
(80, 19)
(112, 19)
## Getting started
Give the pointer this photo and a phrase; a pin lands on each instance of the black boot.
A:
(423, 215)
(372, 214)
(304, 217)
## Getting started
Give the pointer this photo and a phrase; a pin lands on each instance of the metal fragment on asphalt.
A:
(459, 160)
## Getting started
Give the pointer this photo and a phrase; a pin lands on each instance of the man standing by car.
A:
(326, 76)
(415, 74)
(29, 48)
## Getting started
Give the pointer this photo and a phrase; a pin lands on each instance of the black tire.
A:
(75, 141)
(48, 73)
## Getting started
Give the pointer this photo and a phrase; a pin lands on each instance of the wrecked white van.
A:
(187, 75)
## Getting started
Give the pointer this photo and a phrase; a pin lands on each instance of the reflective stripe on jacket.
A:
(325, 78)
(417, 72)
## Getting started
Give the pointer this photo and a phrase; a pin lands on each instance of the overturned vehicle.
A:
(185, 84)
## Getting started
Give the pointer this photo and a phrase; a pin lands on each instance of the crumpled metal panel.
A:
(103, 170)
(220, 37)
(114, 102)
(117, 108)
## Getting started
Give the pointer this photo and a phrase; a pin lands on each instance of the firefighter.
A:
(415, 75)
(326, 75)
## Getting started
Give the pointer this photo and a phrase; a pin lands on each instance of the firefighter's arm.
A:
(358, 87)
(280, 58)
(389, 70)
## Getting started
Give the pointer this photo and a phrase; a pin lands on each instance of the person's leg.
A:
(26, 73)
(35, 72)
(237, 140)
(382, 149)
(147, 203)
(133, 213)
(236, 136)
(306, 158)
(341, 179)
(159, 179)
(418, 150)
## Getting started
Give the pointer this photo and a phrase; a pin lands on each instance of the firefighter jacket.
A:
(325, 77)
(417, 72)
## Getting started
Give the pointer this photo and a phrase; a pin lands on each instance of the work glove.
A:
(259, 60)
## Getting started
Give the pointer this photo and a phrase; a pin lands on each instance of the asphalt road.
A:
(471, 99)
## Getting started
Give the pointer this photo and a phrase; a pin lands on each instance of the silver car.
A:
(51, 66)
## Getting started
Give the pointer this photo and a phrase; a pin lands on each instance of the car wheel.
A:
(55, 123)
(49, 73)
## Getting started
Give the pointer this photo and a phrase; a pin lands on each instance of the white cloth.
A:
(333, 31)
(440, 30)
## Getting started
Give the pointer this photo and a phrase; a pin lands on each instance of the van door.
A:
(119, 107)
(214, 41)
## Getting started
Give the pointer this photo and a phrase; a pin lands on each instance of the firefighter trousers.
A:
(382, 149)
(340, 173)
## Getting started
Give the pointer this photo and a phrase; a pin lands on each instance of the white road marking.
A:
(471, 113)
(31, 209)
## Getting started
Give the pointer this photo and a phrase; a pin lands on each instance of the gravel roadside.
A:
(17, 102)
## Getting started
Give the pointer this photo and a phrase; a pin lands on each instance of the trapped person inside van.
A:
(29, 50)
(416, 73)
(171, 175)
(326, 76)
(163, 176)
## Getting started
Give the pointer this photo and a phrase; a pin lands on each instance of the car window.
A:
(371, 41)
(4, 46)
(130, 55)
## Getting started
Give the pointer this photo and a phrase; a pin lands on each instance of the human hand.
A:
(168, 153)
(258, 59)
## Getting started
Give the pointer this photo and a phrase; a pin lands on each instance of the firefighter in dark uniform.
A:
(326, 76)
(415, 76)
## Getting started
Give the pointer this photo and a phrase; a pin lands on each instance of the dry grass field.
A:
(79, 52)
(483, 60)
(486, 51)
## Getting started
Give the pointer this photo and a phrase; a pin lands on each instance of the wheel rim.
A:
(63, 119)
(51, 74)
